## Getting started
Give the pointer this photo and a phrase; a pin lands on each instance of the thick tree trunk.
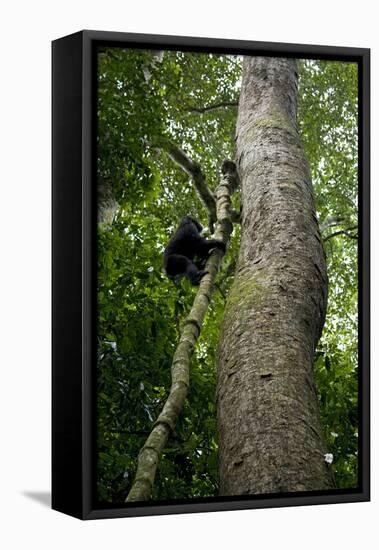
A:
(270, 438)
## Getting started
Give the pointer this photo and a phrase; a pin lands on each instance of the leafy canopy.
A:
(144, 99)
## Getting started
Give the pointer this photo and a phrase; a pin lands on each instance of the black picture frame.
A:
(74, 267)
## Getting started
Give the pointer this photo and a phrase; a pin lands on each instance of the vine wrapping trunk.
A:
(149, 455)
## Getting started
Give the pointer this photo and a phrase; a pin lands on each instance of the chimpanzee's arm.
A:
(204, 246)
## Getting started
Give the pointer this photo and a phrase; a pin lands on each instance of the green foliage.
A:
(328, 117)
(126, 126)
(141, 101)
(144, 99)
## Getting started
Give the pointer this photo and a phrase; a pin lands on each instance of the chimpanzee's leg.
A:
(194, 274)
(200, 262)
(176, 265)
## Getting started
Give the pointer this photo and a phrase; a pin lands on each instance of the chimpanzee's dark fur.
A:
(184, 246)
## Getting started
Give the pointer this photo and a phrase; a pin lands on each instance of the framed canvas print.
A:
(210, 274)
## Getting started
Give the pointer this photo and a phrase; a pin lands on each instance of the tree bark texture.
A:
(107, 204)
(270, 437)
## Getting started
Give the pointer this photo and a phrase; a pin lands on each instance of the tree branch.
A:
(193, 169)
(230, 269)
(235, 216)
(343, 232)
(165, 424)
(219, 288)
(331, 221)
(207, 108)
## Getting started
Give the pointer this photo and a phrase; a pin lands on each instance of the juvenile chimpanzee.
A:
(185, 248)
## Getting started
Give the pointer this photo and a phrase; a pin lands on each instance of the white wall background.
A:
(27, 29)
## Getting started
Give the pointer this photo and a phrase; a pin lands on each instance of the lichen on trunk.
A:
(270, 437)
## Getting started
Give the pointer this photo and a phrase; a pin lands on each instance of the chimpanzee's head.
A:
(188, 219)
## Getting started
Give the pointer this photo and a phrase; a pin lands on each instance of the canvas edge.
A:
(84, 508)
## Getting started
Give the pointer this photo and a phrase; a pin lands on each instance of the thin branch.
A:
(193, 169)
(220, 290)
(331, 221)
(230, 269)
(126, 432)
(229, 171)
(207, 108)
(180, 371)
(343, 232)
(235, 216)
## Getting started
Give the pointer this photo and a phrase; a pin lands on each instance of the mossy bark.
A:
(270, 437)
